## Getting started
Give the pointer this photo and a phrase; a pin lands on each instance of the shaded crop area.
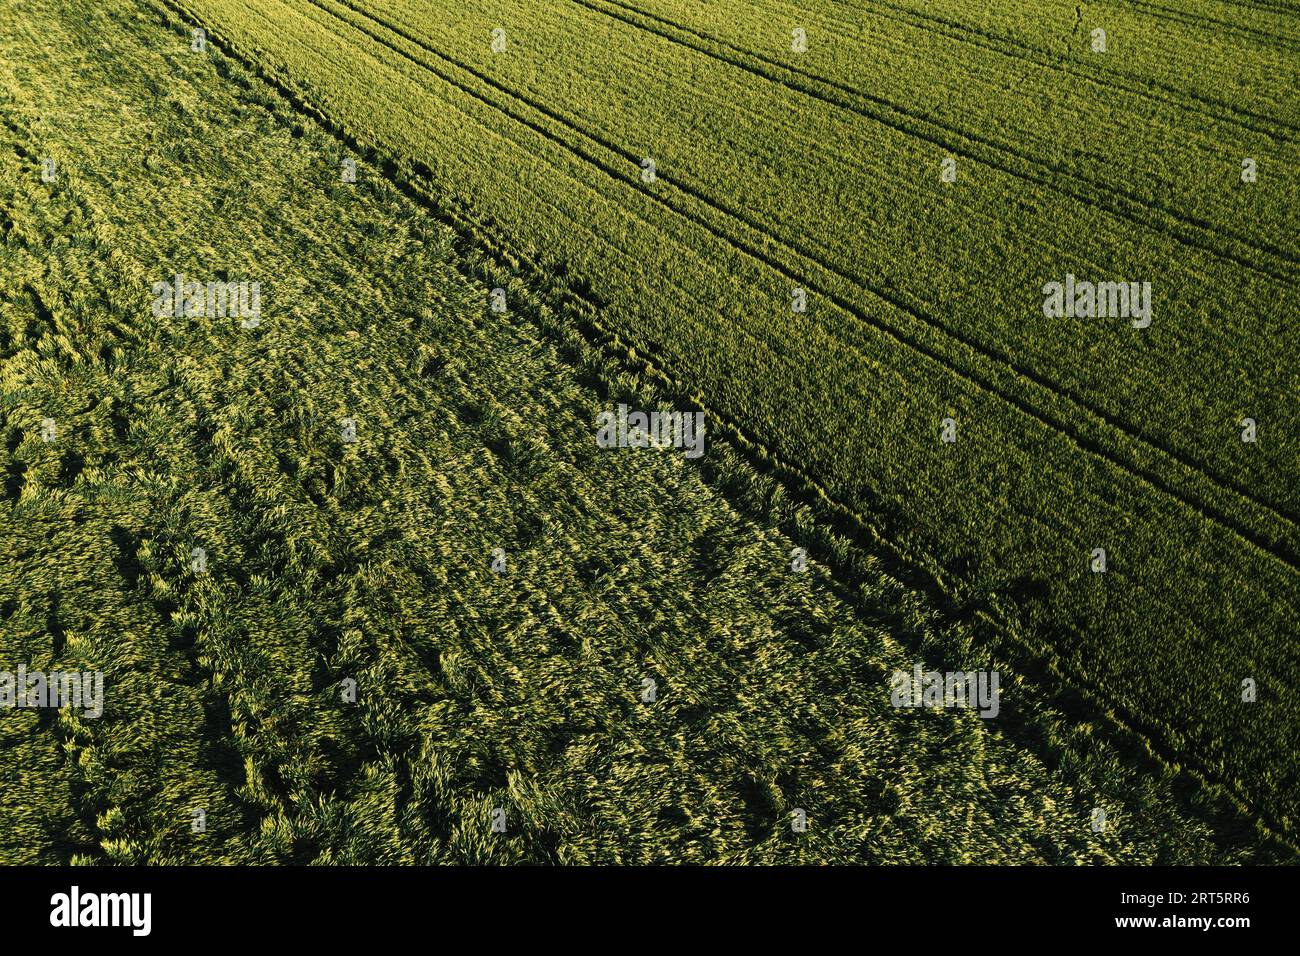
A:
(799, 155)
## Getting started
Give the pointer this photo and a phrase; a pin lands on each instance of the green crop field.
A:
(364, 586)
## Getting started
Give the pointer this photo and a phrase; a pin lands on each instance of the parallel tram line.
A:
(1125, 204)
(1271, 126)
(1188, 18)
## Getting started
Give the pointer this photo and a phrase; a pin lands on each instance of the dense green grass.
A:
(371, 560)
(821, 171)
